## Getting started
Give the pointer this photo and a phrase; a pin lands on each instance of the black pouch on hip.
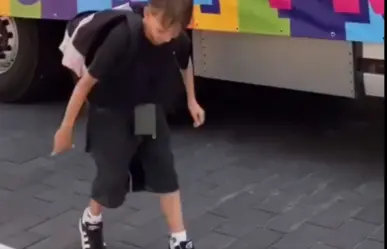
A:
(145, 120)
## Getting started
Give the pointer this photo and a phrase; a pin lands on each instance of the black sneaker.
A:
(91, 235)
(185, 245)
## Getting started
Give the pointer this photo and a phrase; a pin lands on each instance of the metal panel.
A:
(318, 66)
(374, 84)
(373, 51)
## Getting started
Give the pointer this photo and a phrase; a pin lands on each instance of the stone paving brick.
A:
(114, 245)
(13, 208)
(373, 189)
(159, 243)
(55, 225)
(29, 167)
(310, 184)
(117, 232)
(231, 173)
(15, 182)
(18, 225)
(67, 181)
(259, 238)
(335, 215)
(29, 191)
(321, 199)
(190, 187)
(28, 148)
(226, 189)
(198, 206)
(117, 215)
(65, 196)
(279, 202)
(62, 239)
(233, 206)
(4, 193)
(355, 197)
(143, 216)
(140, 237)
(350, 234)
(243, 222)
(373, 213)
(269, 186)
(141, 200)
(369, 244)
(24, 239)
(215, 241)
(290, 220)
(303, 238)
(203, 225)
(321, 246)
(378, 235)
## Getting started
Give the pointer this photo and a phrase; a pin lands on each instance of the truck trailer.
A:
(331, 47)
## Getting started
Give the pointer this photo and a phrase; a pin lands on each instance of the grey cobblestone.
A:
(373, 213)
(320, 246)
(258, 238)
(215, 241)
(303, 238)
(290, 220)
(204, 225)
(369, 244)
(335, 215)
(378, 235)
(243, 222)
(61, 239)
(57, 224)
(24, 239)
(273, 180)
(350, 234)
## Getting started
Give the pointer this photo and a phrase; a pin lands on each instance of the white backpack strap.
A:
(72, 58)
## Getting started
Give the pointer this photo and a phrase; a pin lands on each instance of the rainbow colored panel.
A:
(351, 20)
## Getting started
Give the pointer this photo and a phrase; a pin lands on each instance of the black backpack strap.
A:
(74, 22)
(134, 22)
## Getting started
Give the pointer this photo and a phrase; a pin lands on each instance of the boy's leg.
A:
(171, 208)
(161, 178)
(111, 147)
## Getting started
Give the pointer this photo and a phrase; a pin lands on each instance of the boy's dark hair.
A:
(174, 11)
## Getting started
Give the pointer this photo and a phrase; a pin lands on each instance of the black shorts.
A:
(125, 161)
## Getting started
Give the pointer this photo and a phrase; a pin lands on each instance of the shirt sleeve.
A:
(183, 50)
(109, 52)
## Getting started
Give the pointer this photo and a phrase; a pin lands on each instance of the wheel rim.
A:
(9, 43)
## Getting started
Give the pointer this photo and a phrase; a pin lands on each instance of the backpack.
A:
(134, 23)
(86, 32)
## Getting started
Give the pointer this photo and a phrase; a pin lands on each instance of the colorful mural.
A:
(353, 20)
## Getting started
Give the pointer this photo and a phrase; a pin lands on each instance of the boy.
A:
(127, 129)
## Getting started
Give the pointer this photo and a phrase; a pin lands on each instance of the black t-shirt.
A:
(127, 78)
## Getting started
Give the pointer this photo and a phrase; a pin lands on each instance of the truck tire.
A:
(28, 55)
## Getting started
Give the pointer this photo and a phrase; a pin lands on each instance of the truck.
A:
(331, 47)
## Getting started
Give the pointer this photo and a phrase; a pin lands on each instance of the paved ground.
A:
(289, 173)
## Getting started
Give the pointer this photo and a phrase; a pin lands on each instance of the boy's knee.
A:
(111, 192)
(109, 199)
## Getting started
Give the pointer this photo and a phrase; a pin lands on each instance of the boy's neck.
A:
(145, 30)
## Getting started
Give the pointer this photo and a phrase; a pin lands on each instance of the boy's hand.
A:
(63, 140)
(197, 113)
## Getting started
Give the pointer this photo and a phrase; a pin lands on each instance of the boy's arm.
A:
(189, 82)
(185, 62)
(104, 60)
(78, 97)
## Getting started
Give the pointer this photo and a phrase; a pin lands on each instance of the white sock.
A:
(90, 218)
(177, 238)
